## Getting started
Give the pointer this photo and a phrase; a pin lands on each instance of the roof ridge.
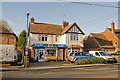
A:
(47, 24)
(7, 29)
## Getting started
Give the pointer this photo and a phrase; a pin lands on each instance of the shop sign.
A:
(49, 45)
(38, 45)
(60, 45)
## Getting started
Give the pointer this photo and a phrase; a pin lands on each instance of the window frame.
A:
(42, 37)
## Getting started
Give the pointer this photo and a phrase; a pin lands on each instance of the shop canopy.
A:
(49, 45)
(74, 46)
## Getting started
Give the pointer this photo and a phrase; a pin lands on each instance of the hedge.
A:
(90, 61)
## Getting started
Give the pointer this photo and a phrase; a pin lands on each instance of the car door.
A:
(85, 55)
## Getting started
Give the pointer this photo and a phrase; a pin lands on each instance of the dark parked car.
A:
(79, 55)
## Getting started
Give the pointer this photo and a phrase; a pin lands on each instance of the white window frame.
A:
(40, 36)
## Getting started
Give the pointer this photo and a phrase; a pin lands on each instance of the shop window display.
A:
(50, 51)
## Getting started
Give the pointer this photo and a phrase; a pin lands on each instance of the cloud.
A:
(11, 23)
(20, 18)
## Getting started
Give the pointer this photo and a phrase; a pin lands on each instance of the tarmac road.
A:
(110, 71)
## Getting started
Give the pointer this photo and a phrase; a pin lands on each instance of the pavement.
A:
(48, 65)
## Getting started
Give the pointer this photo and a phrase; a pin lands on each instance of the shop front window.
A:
(50, 52)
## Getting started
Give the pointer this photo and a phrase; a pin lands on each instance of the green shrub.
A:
(77, 62)
(90, 61)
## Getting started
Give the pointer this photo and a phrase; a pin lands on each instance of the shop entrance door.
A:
(41, 54)
(61, 53)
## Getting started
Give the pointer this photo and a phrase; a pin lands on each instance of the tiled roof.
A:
(101, 39)
(85, 38)
(4, 29)
(97, 40)
(66, 28)
(45, 28)
(117, 32)
(118, 35)
(90, 43)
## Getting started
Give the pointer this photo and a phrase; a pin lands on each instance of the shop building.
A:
(56, 41)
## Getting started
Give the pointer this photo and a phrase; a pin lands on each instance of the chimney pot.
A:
(32, 20)
(65, 24)
(112, 27)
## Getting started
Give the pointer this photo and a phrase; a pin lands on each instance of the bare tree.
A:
(5, 24)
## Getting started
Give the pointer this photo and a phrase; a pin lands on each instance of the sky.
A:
(90, 18)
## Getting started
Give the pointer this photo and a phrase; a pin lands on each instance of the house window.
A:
(42, 38)
(56, 38)
(74, 37)
(115, 43)
(45, 37)
(39, 37)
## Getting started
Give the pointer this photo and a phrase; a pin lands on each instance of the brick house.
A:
(108, 41)
(7, 37)
(54, 40)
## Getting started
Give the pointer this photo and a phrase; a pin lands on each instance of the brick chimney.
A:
(113, 27)
(32, 20)
(65, 23)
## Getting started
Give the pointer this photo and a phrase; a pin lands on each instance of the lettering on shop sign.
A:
(38, 45)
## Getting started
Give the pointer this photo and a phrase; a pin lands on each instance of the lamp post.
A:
(27, 22)
(26, 51)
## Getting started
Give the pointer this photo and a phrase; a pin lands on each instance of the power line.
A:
(99, 18)
(90, 4)
(96, 4)
(102, 21)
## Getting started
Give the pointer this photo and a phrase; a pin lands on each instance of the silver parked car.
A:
(79, 55)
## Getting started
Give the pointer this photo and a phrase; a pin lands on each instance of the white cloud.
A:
(11, 23)
(20, 18)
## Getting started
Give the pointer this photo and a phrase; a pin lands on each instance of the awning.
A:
(74, 46)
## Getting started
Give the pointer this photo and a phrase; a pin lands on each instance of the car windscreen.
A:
(103, 54)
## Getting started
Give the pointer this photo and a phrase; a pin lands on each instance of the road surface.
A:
(107, 71)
